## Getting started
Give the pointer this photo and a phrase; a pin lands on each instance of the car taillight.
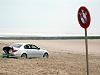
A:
(14, 50)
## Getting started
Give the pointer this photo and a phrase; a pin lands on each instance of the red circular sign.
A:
(84, 17)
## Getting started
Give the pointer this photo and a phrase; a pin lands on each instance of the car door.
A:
(29, 50)
(35, 51)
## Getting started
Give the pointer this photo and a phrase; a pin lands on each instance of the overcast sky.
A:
(47, 17)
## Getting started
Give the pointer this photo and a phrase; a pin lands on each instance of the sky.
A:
(47, 17)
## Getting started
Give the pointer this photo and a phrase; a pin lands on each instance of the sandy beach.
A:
(67, 57)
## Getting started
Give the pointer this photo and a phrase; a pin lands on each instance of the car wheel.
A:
(46, 55)
(24, 56)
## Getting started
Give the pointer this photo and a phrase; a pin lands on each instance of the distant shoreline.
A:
(48, 38)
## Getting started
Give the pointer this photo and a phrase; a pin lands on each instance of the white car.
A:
(27, 50)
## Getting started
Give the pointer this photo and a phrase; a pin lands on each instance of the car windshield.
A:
(16, 45)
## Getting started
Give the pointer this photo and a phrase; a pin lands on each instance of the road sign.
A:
(84, 21)
(84, 17)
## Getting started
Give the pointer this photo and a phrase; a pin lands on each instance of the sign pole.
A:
(86, 44)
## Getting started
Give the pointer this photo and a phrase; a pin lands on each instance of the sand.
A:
(67, 57)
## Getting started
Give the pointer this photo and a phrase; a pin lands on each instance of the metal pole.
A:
(86, 44)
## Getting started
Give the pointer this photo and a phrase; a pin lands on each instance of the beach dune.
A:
(67, 57)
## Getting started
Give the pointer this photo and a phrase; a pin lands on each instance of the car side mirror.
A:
(38, 48)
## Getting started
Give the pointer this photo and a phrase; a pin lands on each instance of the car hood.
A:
(44, 50)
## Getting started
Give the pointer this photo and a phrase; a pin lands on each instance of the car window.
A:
(16, 45)
(27, 46)
(34, 47)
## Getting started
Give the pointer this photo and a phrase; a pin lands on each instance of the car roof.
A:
(22, 43)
